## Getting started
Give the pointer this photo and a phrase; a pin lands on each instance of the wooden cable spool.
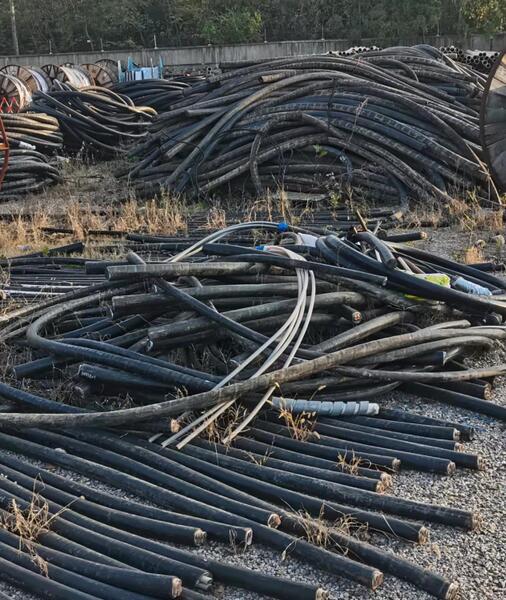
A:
(35, 79)
(15, 91)
(102, 75)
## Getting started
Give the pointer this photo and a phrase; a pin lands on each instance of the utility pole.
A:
(15, 42)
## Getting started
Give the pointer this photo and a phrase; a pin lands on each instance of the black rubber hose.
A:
(216, 530)
(388, 433)
(419, 461)
(143, 585)
(126, 547)
(35, 583)
(135, 523)
(138, 487)
(297, 457)
(267, 460)
(120, 541)
(294, 499)
(483, 407)
(466, 431)
(428, 431)
(71, 580)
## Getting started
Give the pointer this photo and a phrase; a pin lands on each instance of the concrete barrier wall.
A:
(209, 56)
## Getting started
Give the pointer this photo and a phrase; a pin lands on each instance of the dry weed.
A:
(349, 463)
(24, 233)
(262, 460)
(166, 215)
(223, 426)
(319, 531)
(29, 525)
(301, 426)
(216, 219)
(473, 254)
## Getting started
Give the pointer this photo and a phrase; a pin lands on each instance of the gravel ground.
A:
(475, 559)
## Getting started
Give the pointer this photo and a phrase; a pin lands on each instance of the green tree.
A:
(485, 16)
(81, 24)
(233, 27)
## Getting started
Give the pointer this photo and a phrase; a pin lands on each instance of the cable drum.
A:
(43, 81)
(75, 75)
(33, 78)
(102, 75)
(51, 71)
(14, 91)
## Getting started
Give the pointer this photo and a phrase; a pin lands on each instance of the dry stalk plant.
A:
(349, 463)
(223, 426)
(320, 532)
(301, 426)
(473, 254)
(216, 219)
(29, 525)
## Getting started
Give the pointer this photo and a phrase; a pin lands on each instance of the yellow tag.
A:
(441, 279)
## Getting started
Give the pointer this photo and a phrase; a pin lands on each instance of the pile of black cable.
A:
(159, 94)
(94, 119)
(226, 351)
(28, 172)
(33, 139)
(33, 131)
(381, 126)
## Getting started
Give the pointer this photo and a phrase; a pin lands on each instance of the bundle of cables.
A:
(95, 119)
(384, 126)
(211, 346)
(28, 171)
(160, 94)
(36, 131)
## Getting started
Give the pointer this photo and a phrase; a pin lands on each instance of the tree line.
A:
(77, 25)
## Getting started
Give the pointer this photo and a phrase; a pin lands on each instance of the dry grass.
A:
(463, 210)
(167, 215)
(301, 426)
(319, 531)
(350, 463)
(24, 233)
(262, 460)
(225, 424)
(216, 219)
(29, 525)
(473, 254)
(238, 548)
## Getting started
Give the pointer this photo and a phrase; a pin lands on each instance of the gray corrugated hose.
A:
(327, 409)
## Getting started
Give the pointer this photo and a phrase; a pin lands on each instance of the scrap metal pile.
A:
(384, 125)
(219, 345)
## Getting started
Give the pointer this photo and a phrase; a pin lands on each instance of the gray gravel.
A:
(475, 559)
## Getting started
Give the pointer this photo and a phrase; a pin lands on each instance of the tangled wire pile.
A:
(213, 341)
(388, 125)
(96, 119)
(32, 138)
(156, 93)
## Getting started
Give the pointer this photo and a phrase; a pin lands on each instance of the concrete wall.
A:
(202, 56)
